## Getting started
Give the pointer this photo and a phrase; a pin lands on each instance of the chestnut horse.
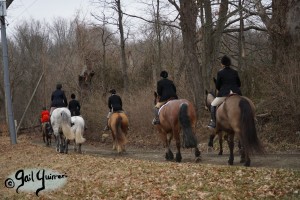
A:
(174, 116)
(236, 116)
(118, 124)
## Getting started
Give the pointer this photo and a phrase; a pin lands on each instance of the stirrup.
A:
(155, 122)
(106, 128)
(211, 124)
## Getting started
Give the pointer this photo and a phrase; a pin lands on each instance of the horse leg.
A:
(57, 139)
(75, 146)
(66, 141)
(169, 153)
(242, 152)
(61, 143)
(79, 148)
(178, 145)
(248, 161)
(211, 140)
(114, 141)
(197, 155)
(244, 156)
(231, 147)
(220, 144)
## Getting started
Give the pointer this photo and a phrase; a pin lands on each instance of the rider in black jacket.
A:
(58, 98)
(166, 90)
(228, 81)
(114, 105)
(74, 106)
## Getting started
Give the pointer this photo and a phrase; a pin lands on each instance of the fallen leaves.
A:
(95, 177)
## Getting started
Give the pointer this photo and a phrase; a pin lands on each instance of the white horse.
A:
(78, 130)
(61, 125)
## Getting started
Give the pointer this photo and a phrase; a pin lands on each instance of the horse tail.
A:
(248, 136)
(79, 135)
(66, 126)
(120, 136)
(189, 139)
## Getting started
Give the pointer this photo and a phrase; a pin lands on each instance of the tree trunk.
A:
(122, 44)
(212, 37)
(188, 16)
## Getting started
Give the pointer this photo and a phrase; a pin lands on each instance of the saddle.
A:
(119, 111)
(229, 95)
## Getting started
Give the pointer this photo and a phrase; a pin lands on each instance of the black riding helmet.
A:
(112, 91)
(226, 61)
(58, 86)
(164, 74)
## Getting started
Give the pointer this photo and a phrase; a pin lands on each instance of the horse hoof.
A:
(178, 157)
(220, 153)
(210, 149)
(247, 164)
(242, 160)
(198, 159)
(230, 162)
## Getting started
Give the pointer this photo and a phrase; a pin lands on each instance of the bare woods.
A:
(262, 38)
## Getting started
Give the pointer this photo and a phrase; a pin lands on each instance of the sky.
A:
(47, 10)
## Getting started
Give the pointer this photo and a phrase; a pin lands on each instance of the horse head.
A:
(210, 96)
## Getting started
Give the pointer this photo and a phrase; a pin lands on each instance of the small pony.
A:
(78, 130)
(47, 133)
(174, 116)
(236, 115)
(118, 124)
(61, 125)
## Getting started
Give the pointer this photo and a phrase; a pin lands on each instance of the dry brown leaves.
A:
(94, 177)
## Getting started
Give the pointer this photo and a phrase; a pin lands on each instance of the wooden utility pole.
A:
(9, 109)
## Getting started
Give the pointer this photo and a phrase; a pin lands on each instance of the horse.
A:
(47, 133)
(220, 134)
(118, 124)
(61, 125)
(236, 116)
(77, 128)
(175, 116)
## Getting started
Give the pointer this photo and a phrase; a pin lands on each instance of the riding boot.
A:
(106, 127)
(212, 123)
(156, 117)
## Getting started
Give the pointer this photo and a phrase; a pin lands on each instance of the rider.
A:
(45, 116)
(58, 98)
(74, 106)
(228, 81)
(166, 90)
(114, 105)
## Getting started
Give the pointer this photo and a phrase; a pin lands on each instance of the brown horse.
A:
(174, 116)
(236, 116)
(118, 124)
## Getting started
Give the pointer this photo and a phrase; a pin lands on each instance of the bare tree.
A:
(115, 6)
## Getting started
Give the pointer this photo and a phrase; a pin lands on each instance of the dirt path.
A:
(278, 160)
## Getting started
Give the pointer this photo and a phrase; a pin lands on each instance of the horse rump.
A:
(189, 139)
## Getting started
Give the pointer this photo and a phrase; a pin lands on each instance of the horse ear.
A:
(155, 94)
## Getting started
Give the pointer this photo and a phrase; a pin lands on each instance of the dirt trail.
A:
(278, 160)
